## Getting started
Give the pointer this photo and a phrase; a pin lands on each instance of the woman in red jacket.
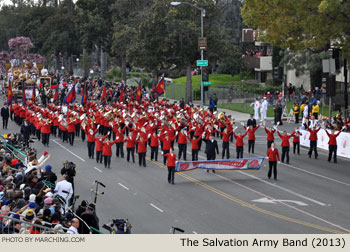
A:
(120, 141)
(332, 145)
(195, 148)
(285, 144)
(130, 146)
(171, 156)
(226, 143)
(251, 137)
(239, 143)
(296, 141)
(99, 146)
(273, 156)
(142, 150)
(107, 151)
(154, 146)
(182, 143)
(313, 141)
(270, 137)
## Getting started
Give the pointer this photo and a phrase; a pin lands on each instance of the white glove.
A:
(165, 132)
(235, 128)
(216, 127)
(278, 162)
(98, 126)
(126, 123)
(148, 135)
(176, 133)
(242, 123)
(193, 128)
(162, 152)
(117, 138)
(343, 128)
(185, 133)
(267, 157)
(278, 123)
(108, 133)
(138, 134)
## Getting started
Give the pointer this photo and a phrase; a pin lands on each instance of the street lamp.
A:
(202, 35)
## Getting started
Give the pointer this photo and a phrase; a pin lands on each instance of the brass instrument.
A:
(221, 116)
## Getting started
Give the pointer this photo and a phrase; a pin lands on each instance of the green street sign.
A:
(202, 63)
(207, 83)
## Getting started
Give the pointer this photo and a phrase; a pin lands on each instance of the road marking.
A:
(253, 207)
(194, 232)
(283, 203)
(273, 201)
(160, 210)
(69, 151)
(280, 187)
(98, 169)
(284, 189)
(318, 175)
(123, 186)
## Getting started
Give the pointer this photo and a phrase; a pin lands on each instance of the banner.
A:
(226, 164)
(343, 141)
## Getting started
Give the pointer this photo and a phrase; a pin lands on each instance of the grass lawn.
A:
(216, 79)
(246, 108)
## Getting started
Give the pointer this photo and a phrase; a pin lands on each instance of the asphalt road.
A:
(310, 196)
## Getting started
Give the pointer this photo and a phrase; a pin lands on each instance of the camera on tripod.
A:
(118, 226)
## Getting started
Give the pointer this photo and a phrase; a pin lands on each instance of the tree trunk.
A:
(188, 83)
(103, 63)
(85, 63)
(70, 65)
(124, 67)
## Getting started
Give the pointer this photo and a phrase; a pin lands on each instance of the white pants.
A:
(263, 115)
(256, 114)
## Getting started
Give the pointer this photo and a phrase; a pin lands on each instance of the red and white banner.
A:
(343, 141)
(226, 164)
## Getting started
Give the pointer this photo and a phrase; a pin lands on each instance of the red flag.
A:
(139, 93)
(160, 87)
(84, 95)
(9, 94)
(70, 98)
(33, 94)
(55, 97)
(24, 98)
(104, 96)
(122, 95)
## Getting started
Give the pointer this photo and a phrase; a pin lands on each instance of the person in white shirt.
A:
(263, 110)
(73, 229)
(256, 105)
(305, 115)
(65, 190)
(313, 122)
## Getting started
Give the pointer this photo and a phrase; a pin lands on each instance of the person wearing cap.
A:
(81, 208)
(210, 147)
(48, 175)
(90, 218)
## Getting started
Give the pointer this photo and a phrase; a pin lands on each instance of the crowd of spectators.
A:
(33, 199)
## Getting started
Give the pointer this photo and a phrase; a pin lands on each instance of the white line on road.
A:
(194, 232)
(123, 186)
(98, 169)
(283, 189)
(69, 151)
(280, 187)
(160, 210)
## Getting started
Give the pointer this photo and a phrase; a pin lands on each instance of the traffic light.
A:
(205, 74)
(331, 86)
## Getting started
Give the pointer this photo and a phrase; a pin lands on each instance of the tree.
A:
(127, 16)
(300, 25)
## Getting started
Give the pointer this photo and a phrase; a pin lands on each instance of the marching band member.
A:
(239, 143)
(285, 144)
(296, 141)
(251, 137)
(171, 157)
(332, 145)
(313, 141)
(273, 156)
(107, 151)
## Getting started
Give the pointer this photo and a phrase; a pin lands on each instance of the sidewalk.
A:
(238, 116)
